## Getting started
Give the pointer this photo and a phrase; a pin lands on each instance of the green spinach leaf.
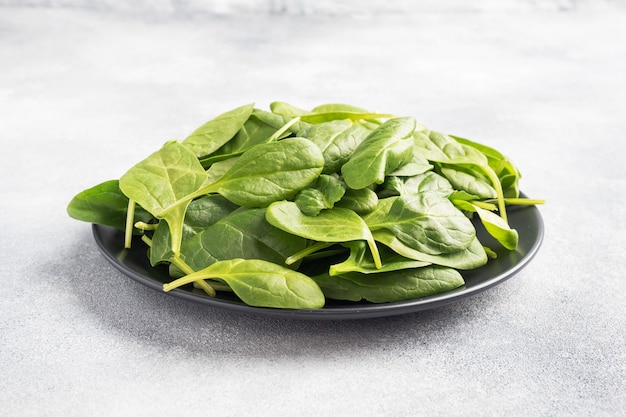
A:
(337, 139)
(261, 284)
(270, 172)
(359, 260)
(244, 233)
(386, 149)
(421, 183)
(104, 204)
(323, 194)
(472, 257)
(200, 215)
(425, 222)
(389, 287)
(322, 228)
(493, 223)
(442, 148)
(216, 132)
(360, 201)
(161, 183)
(466, 179)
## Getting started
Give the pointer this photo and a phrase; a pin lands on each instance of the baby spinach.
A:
(416, 184)
(392, 286)
(327, 113)
(323, 194)
(473, 256)
(461, 161)
(288, 207)
(253, 132)
(337, 140)
(324, 227)
(507, 172)
(260, 283)
(162, 182)
(269, 172)
(201, 214)
(244, 233)
(215, 133)
(425, 222)
(360, 201)
(387, 148)
(104, 204)
(359, 261)
(494, 224)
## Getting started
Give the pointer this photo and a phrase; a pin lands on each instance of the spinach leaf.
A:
(104, 204)
(338, 107)
(425, 222)
(388, 287)
(216, 132)
(323, 194)
(244, 233)
(360, 261)
(219, 168)
(161, 245)
(161, 182)
(507, 172)
(326, 113)
(253, 132)
(260, 283)
(261, 127)
(269, 172)
(386, 149)
(442, 148)
(337, 147)
(278, 121)
(417, 165)
(493, 223)
(286, 216)
(201, 214)
(286, 109)
(360, 201)
(206, 211)
(468, 180)
(337, 140)
(421, 183)
(473, 256)
(439, 147)
(342, 115)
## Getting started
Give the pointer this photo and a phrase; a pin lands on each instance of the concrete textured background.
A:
(89, 88)
(310, 7)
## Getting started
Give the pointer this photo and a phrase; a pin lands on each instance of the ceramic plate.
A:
(527, 220)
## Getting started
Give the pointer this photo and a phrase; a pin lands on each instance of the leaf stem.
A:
(484, 205)
(187, 279)
(499, 192)
(375, 254)
(146, 226)
(283, 129)
(307, 251)
(523, 201)
(182, 265)
(217, 285)
(206, 287)
(130, 219)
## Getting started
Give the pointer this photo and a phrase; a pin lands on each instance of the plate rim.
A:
(344, 312)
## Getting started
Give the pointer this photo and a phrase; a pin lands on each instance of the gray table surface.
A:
(84, 94)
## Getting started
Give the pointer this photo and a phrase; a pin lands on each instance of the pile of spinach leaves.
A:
(286, 208)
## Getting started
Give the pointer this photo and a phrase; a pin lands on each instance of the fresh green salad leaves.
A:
(290, 207)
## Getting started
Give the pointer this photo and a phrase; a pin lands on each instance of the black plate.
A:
(527, 221)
